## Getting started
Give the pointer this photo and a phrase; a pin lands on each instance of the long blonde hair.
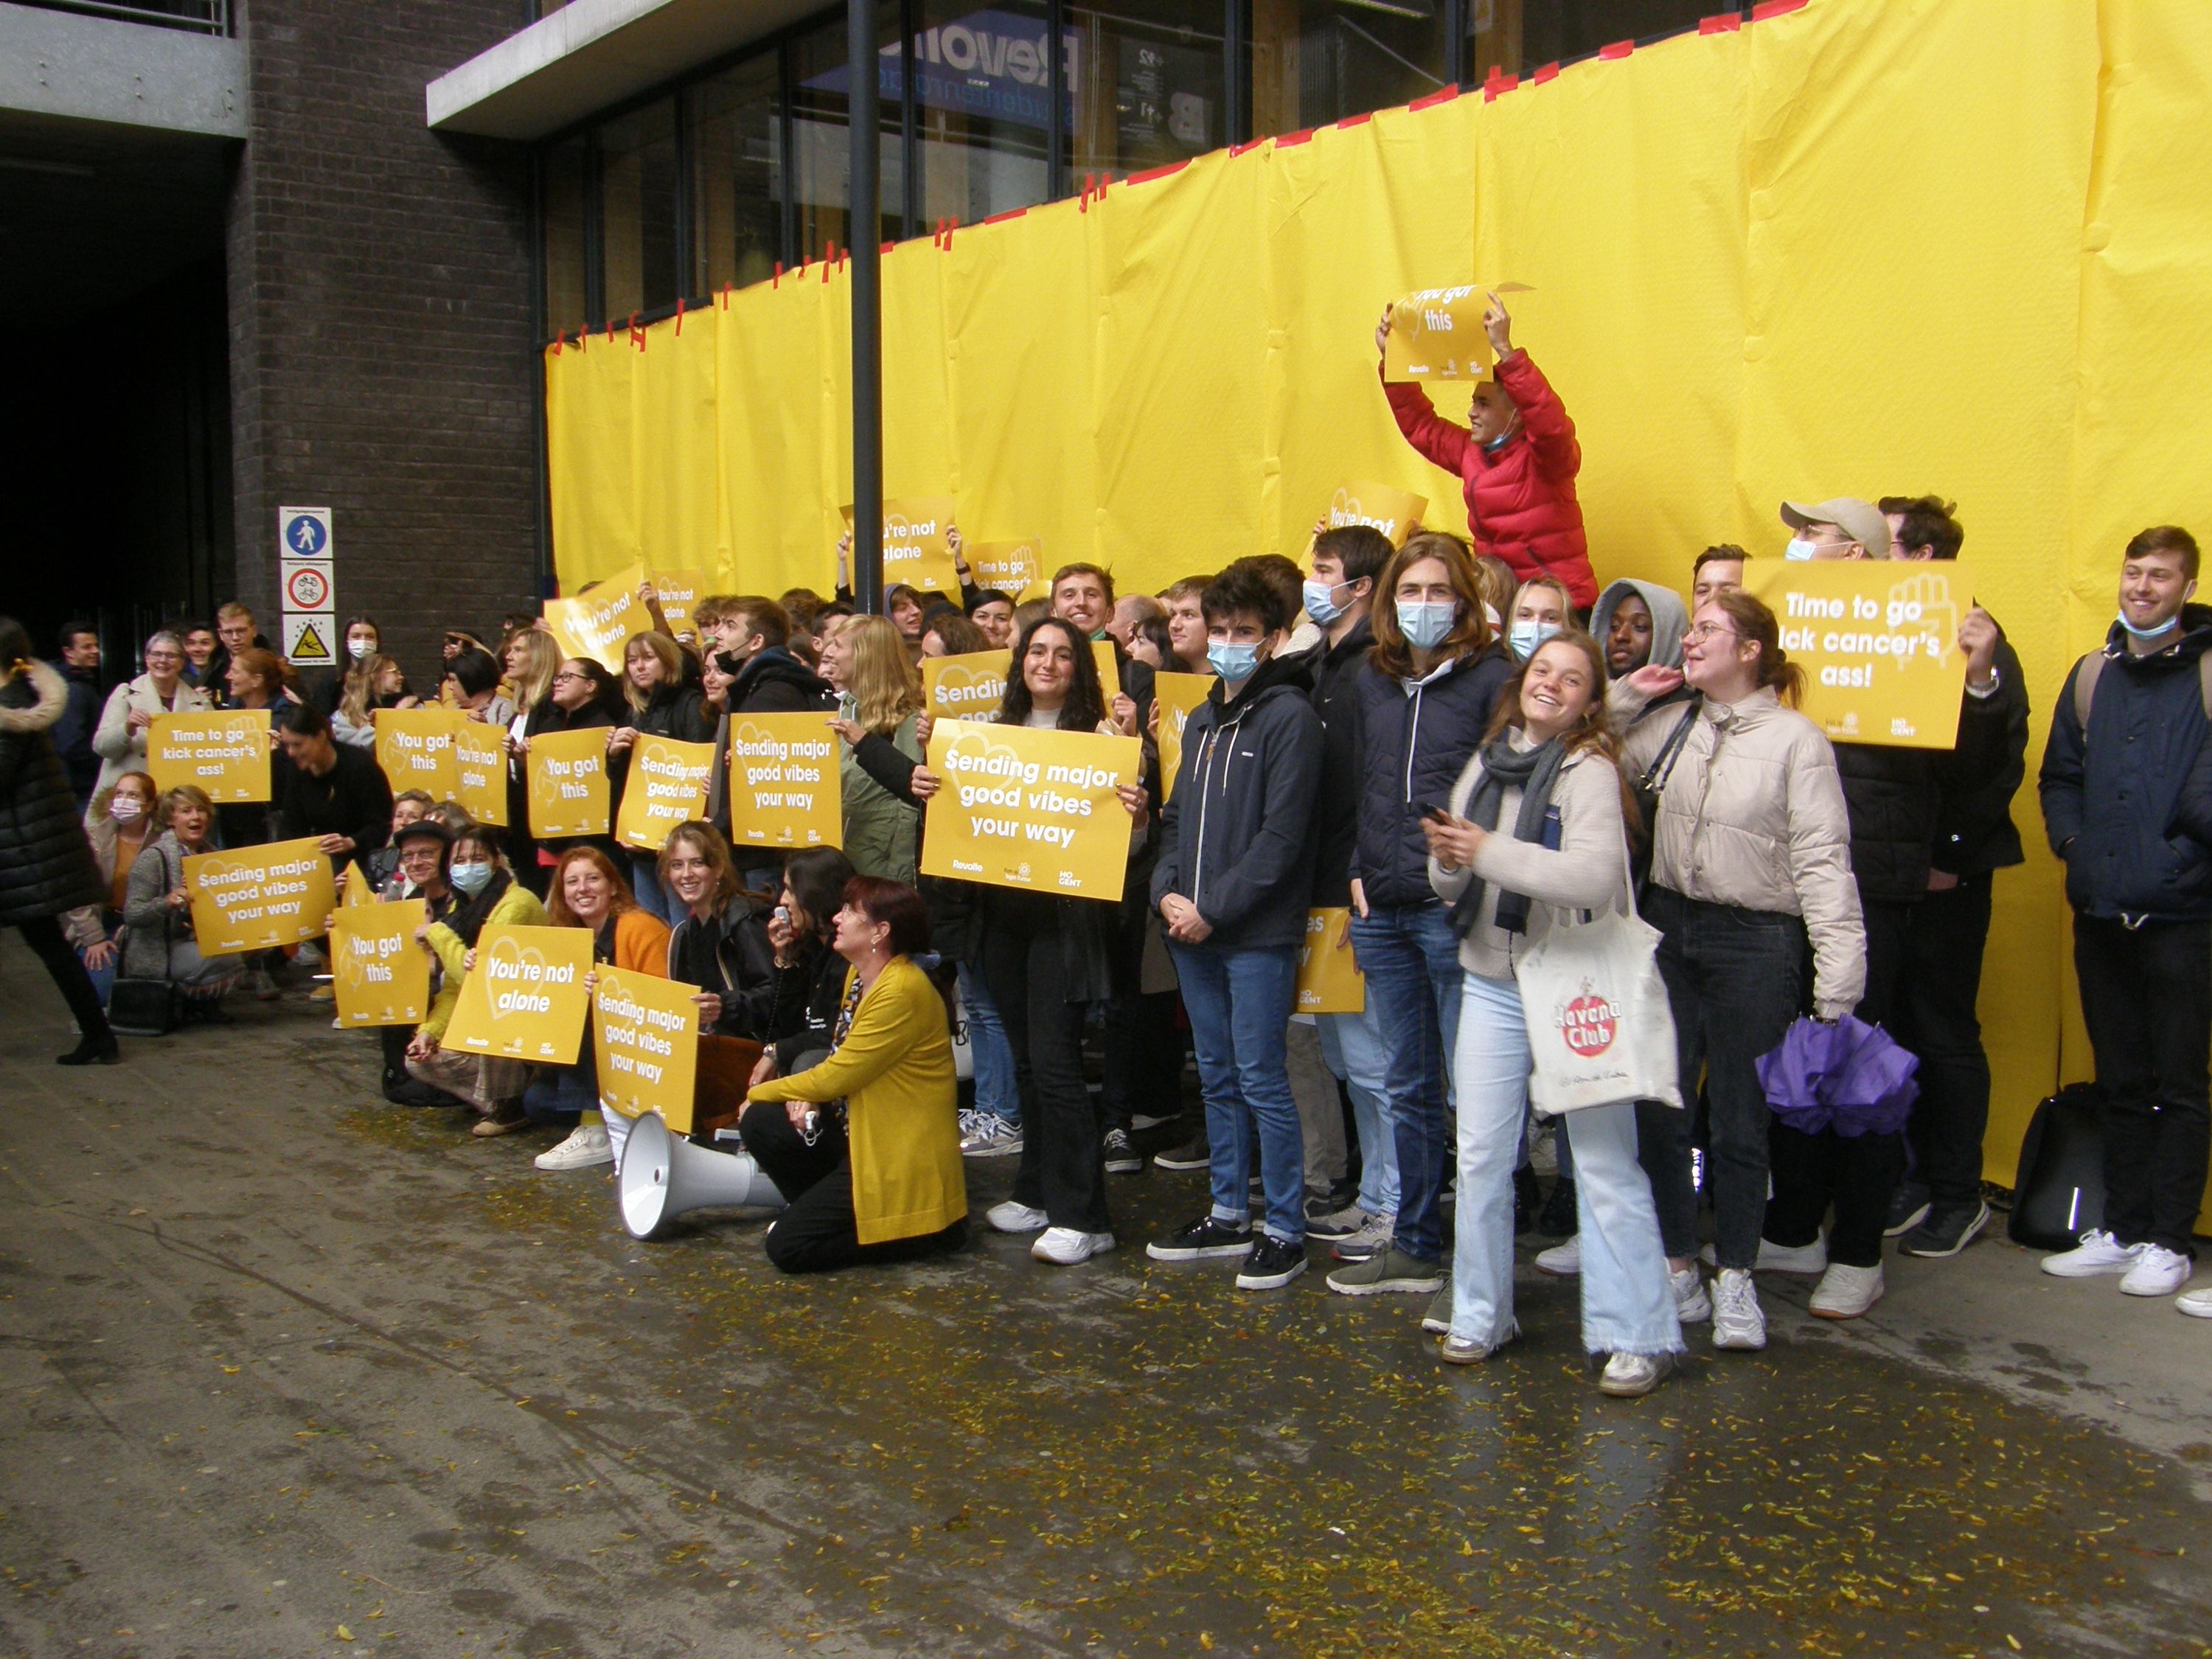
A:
(542, 661)
(361, 687)
(884, 686)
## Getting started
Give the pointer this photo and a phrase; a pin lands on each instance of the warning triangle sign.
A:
(309, 647)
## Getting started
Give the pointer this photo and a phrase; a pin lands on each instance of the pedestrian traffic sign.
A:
(303, 533)
(307, 586)
(311, 638)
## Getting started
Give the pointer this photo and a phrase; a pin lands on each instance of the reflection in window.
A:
(1148, 84)
(1517, 36)
(1317, 61)
(821, 154)
(982, 108)
(567, 302)
(737, 176)
(637, 209)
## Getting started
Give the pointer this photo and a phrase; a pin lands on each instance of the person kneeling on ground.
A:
(157, 915)
(485, 894)
(866, 1144)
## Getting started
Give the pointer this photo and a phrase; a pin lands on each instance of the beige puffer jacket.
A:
(1753, 815)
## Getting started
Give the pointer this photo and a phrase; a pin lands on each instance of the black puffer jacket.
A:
(1413, 745)
(1974, 830)
(45, 860)
(1336, 672)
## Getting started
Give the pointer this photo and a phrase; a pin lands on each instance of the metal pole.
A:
(864, 226)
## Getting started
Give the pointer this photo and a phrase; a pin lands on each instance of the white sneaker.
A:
(2158, 1272)
(586, 1147)
(1012, 1218)
(1845, 1293)
(2198, 1304)
(1066, 1247)
(2098, 1252)
(1629, 1374)
(1691, 1305)
(1564, 1260)
(1737, 1320)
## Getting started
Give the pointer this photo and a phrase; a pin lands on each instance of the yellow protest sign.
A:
(258, 898)
(227, 755)
(382, 975)
(915, 551)
(646, 1033)
(525, 998)
(1020, 807)
(1878, 640)
(599, 623)
(786, 786)
(1438, 334)
(415, 747)
(1178, 696)
(667, 785)
(1014, 568)
(567, 774)
(1395, 513)
(680, 592)
(1329, 980)
(1109, 670)
(355, 888)
(971, 686)
(480, 771)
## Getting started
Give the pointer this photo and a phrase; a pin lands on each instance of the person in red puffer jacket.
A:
(1517, 465)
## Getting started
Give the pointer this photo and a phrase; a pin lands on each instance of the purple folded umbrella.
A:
(1850, 1077)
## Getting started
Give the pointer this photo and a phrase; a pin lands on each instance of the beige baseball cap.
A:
(1861, 520)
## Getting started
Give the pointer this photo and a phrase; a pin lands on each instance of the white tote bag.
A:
(1599, 1029)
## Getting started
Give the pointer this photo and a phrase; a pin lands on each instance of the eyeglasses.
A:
(1704, 631)
(564, 675)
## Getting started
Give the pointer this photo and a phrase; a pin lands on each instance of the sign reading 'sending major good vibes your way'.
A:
(257, 898)
(1878, 640)
(786, 787)
(645, 1031)
(1019, 807)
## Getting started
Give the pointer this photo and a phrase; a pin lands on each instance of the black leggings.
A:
(820, 1232)
(44, 936)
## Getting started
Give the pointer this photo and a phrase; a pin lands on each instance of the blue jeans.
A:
(1627, 1305)
(997, 1089)
(651, 898)
(1240, 1004)
(561, 1094)
(1351, 1048)
(1412, 964)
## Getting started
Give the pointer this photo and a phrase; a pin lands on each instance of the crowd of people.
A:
(1469, 745)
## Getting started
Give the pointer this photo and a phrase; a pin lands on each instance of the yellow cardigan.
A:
(895, 1071)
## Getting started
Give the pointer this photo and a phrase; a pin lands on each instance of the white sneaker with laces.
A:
(2098, 1252)
(1737, 1320)
(1012, 1218)
(1563, 1261)
(2198, 1304)
(1629, 1374)
(1065, 1246)
(1845, 1293)
(1691, 1305)
(585, 1147)
(2158, 1272)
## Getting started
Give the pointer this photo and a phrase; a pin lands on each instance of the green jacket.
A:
(881, 832)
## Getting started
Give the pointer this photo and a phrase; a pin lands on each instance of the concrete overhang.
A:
(593, 53)
(64, 66)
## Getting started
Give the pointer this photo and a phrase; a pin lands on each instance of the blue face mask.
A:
(1799, 548)
(2158, 633)
(1321, 602)
(1526, 636)
(470, 878)
(1425, 621)
(1233, 660)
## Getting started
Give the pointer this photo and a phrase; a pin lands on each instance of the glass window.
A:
(821, 154)
(637, 209)
(567, 303)
(1317, 61)
(1148, 84)
(1518, 36)
(982, 108)
(737, 176)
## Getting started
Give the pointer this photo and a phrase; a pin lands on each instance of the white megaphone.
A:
(662, 1176)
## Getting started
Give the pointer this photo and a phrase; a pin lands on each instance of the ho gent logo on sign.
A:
(1588, 1023)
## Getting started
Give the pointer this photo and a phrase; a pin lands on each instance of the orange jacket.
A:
(642, 944)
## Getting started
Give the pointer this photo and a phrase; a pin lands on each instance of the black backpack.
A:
(2059, 1193)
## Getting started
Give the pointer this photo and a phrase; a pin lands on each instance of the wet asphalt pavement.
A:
(288, 1371)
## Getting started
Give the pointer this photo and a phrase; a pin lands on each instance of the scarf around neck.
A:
(1534, 772)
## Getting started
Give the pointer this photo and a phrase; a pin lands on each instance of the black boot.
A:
(98, 1049)
(1526, 1196)
(1558, 1220)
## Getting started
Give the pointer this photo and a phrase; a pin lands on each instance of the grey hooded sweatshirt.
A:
(1669, 617)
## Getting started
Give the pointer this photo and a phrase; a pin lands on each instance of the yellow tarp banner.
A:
(1019, 807)
(226, 755)
(382, 975)
(257, 898)
(1854, 249)
(646, 1031)
(525, 999)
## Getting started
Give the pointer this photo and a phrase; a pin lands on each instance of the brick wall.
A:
(381, 336)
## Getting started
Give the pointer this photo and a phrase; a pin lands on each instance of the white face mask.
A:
(126, 809)
(1799, 548)
(360, 648)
